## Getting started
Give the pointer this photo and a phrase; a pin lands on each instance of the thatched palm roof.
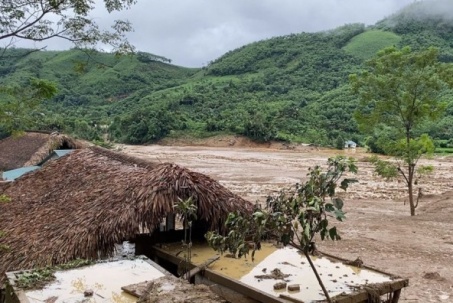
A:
(31, 148)
(80, 205)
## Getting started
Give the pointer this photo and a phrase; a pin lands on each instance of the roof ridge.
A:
(123, 158)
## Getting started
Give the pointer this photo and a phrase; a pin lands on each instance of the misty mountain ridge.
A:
(422, 10)
(292, 88)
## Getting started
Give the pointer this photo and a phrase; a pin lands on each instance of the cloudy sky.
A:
(194, 32)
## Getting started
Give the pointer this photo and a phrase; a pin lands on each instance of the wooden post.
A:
(200, 267)
(396, 296)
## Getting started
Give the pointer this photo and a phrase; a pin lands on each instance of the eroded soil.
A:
(378, 228)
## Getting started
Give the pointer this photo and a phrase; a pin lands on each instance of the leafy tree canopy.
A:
(18, 103)
(401, 90)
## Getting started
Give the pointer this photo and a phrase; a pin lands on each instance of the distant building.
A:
(350, 144)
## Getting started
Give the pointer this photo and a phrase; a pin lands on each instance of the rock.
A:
(88, 293)
(357, 262)
(294, 287)
(279, 285)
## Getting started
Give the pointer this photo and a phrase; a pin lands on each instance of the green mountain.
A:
(291, 88)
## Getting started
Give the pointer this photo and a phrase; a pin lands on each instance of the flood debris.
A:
(357, 262)
(294, 287)
(170, 289)
(280, 285)
(275, 274)
(287, 263)
(137, 289)
(52, 299)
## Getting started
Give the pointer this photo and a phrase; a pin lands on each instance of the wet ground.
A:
(378, 227)
(103, 280)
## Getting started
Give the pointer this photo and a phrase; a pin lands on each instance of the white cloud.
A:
(193, 32)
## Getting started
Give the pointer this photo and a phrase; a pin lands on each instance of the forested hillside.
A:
(292, 88)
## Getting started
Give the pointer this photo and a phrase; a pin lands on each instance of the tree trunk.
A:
(411, 196)
(324, 290)
(410, 177)
(410, 187)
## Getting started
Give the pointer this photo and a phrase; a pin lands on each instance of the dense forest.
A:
(292, 88)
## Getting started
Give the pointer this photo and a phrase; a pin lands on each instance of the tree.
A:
(293, 216)
(400, 90)
(187, 209)
(339, 143)
(18, 103)
(41, 20)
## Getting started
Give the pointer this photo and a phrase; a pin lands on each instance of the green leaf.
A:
(331, 189)
(345, 183)
(329, 207)
(338, 203)
(339, 215)
(307, 230)
(333, 233)
(285, 239)
(258, 214)
(323, 234)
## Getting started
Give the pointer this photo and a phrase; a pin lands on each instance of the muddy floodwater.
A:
(226, 265)
(378, 227)
(337, 277)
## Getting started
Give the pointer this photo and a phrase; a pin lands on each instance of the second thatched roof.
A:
(80, 205)
(32, 147)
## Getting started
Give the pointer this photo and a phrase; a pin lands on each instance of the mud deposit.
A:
(103, 280)
(378, 228)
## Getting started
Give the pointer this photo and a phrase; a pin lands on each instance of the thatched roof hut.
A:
(80, 205)
(32, 147)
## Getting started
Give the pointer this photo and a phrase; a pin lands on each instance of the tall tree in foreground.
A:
(400, 89)
(41, 20)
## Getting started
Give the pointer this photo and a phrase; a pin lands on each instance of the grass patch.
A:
(444, 150)
(367, 44)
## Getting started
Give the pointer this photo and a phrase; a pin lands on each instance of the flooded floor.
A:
(378, 228)
(104, 279)
(295, 270)
(226, 265)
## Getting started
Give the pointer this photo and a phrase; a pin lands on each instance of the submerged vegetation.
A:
(38, 278)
